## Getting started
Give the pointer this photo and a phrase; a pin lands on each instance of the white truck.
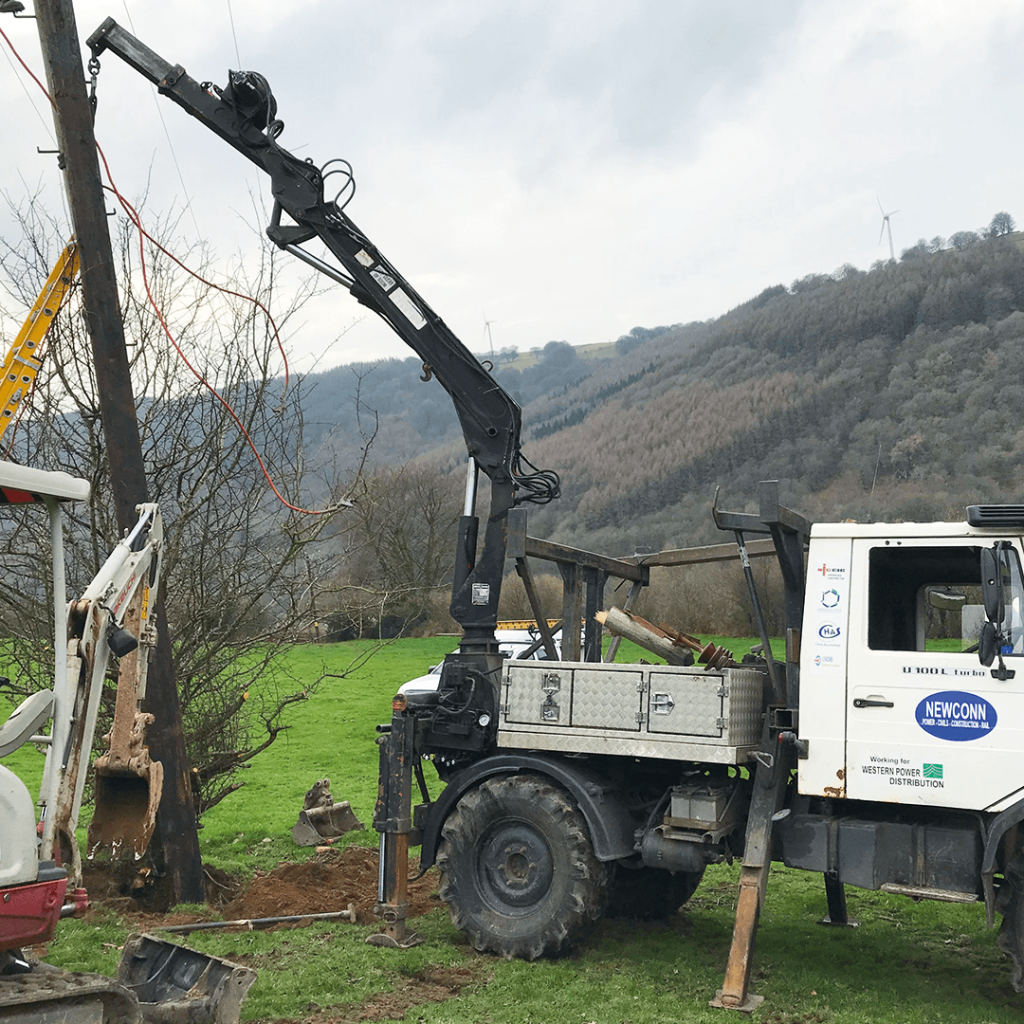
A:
(881, 753)
(515, 640)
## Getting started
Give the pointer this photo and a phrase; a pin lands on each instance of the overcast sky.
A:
(569, 170)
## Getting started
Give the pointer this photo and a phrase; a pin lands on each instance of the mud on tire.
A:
(518, 868)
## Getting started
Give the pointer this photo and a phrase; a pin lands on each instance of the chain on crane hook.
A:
(94, 71)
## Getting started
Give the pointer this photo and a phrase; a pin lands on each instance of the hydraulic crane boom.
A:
(243, 113)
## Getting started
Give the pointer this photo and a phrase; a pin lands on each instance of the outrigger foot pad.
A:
(748, 1006)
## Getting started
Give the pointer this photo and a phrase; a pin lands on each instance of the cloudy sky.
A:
(572, 169)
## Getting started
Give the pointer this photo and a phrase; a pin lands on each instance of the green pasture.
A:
(907, 962)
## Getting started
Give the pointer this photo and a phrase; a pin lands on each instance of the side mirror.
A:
(992, 584)
(988, 642)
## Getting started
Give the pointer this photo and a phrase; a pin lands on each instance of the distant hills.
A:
(894, 393)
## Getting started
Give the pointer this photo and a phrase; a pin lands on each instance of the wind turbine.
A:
(886, 226)
(487, 331)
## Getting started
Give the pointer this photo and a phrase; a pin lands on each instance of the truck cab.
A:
(895, 705)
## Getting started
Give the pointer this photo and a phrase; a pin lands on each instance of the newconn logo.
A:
(956, 715)
(829, 631)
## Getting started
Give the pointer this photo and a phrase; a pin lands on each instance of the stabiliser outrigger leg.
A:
(392, 818)
(779, 748)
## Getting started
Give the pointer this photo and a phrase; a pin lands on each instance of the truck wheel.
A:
(1010, 903)
(518, 868)
(647, 894)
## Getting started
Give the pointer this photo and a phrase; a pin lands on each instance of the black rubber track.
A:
(518, 868)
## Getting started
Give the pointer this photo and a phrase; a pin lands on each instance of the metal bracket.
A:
(662, 703)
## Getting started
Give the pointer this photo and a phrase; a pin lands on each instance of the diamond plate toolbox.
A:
(574, 693)
(630, 709)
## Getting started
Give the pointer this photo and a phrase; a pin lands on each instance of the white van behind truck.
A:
(515, 641)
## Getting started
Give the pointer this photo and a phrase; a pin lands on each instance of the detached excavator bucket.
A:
(321, 818)
(320, 823)
(176, 985)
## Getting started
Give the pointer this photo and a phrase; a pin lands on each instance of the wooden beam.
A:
(177, 832)
(709, 553)
(644, 635)
(563, 554)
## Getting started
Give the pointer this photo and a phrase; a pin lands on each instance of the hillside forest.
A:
(887, 394)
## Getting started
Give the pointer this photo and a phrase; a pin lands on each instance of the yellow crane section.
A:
(25, 356)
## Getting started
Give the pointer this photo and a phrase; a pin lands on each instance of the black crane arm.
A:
(243, 114)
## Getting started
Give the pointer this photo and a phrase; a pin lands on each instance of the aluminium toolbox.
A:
(683, 713)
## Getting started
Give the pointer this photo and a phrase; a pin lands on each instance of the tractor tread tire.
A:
(518, 868)
(1010, 903)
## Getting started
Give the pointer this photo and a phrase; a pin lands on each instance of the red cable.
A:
(133, 215)
(137, 221)
(17, 55)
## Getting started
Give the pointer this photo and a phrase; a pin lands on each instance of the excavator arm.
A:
(244, 114)
(111, 618)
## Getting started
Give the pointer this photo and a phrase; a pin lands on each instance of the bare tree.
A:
(243, 571)
(1002, 224)
(399, 549)
(964, 240)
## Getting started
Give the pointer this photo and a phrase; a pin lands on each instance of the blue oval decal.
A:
(956, 715)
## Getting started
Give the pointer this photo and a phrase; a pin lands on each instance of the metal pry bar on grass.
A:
(259, 922)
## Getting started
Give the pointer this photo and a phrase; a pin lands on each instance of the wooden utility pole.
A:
(177, 846)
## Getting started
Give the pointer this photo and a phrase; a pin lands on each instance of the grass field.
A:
(906, 962)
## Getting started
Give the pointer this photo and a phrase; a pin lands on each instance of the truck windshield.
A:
(928, 598)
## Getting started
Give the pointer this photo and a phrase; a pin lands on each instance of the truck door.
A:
(926, 723)
(826, 638)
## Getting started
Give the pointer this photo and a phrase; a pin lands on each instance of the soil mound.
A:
(324, 884)
(327, 882)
